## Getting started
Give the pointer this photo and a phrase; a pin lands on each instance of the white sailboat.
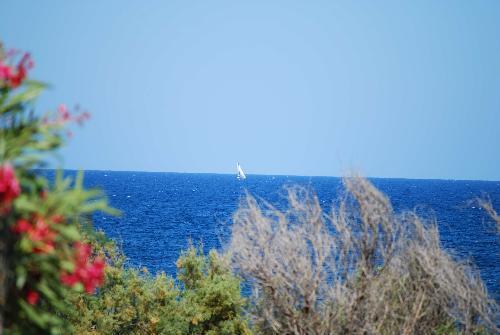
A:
(240, 174)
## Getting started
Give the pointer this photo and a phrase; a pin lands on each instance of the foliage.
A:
(210, 301)
(42, 257)
(206, 300)
(128, 302)
(362, 269)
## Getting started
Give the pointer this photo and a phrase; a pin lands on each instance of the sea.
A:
(162, 213)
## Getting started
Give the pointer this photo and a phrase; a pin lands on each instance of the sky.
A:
(386, 88)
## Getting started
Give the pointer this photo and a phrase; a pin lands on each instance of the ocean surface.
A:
(162, 212)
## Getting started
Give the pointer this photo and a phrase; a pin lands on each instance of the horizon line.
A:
(260, 174)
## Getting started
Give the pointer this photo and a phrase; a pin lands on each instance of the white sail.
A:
(241, 174)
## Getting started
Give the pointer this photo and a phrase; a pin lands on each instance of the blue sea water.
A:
(162, 212)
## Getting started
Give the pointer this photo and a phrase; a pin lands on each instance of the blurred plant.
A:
(486, 204)
(42, 256)
(360, 270)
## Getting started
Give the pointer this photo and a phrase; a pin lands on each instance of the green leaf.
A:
(68, 266)
(23, 204)
(70, 232)
(79, 180)
(45, 289)
(78, 287)
(31, 82)
(53, 297)
(21, 274)
(25, 245)
(32, 91)
(33, 314)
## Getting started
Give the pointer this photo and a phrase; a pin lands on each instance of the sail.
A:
(241, 174)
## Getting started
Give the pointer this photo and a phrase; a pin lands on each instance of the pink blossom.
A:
(14, 78)
(21, 226)
(9, 187)
(90, 274)
(5, 71)
(39, 232)
(64, 114)
(32, 297)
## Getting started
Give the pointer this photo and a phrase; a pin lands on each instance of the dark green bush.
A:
(210, 302)
(206, 298)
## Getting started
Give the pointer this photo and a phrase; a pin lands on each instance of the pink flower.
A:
(69, 279)
(14, 78)
(9, 187)
(39, 232)
(21, 226)
(43, 236)
(64, 115)
(5, 71)
(89, 274)
(32, 297)
(83, 251)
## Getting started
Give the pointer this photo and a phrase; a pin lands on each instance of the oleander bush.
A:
(42, 255)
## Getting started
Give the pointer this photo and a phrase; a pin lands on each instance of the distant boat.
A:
(240, 174)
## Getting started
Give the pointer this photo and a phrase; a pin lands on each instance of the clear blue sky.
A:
(388, 88)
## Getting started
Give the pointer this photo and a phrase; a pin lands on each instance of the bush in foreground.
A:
(42, 255)
(362, 269)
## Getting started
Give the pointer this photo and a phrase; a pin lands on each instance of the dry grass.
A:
(486, 204)
(361, 269)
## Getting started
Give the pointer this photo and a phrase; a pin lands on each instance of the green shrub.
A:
(205, 300)
(210, 301)
(129, 301)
